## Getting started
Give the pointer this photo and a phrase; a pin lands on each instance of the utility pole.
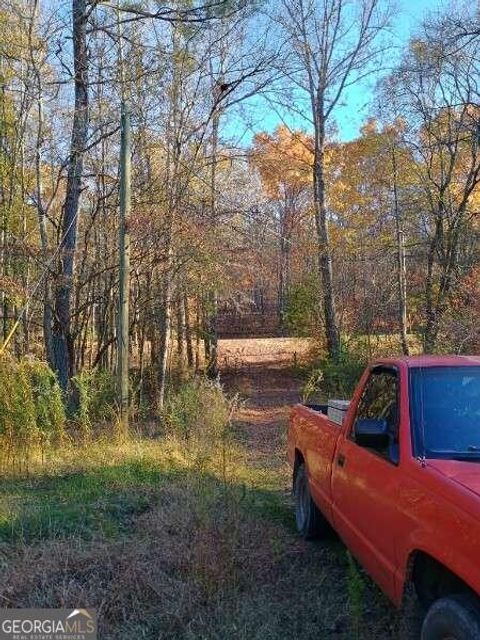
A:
(401, 262)
(212, 364)
(212, 335)
(402, 286)
(124, 255)
(123, 245)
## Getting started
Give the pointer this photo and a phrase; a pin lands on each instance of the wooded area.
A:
(377, 235)
(210, 211)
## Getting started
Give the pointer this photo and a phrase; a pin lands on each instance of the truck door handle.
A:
(341, 460)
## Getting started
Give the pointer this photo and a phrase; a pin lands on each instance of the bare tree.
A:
(334, 45)
(63, 349)
(437, 88)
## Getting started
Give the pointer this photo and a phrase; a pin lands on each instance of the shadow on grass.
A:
(226, 547)
(106, 501)
(98, 501)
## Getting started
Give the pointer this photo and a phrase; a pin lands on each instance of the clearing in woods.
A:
(171, 547)
(321, 592)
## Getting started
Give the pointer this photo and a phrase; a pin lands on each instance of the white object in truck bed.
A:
(337, 410)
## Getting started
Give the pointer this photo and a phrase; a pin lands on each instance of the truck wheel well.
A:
(299, 459)
(432, 580)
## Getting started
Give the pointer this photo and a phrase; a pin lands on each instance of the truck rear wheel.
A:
(310, 522)
(453, 618)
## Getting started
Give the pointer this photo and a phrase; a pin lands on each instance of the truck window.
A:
(445, 412)
(380, 401)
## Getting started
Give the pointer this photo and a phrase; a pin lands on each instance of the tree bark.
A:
(165, 328)
(431, 324)
(212, 363)
(180, 309)
(188, 331)
(212, 339)
(284, 275)
(123, 336)
(324, 250)
(63, 342)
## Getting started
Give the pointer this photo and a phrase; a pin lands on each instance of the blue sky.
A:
(355, 108)
(410, 13)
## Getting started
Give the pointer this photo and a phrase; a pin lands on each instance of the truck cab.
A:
(399, 480)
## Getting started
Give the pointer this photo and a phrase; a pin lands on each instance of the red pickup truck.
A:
(399, 480)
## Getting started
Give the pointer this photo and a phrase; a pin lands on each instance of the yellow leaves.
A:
(424, 51)
(419, 48)
(17, 42)
(370, 128)
(12, 289)
(344, 238)
(284, 161)
(360, 176)
(475, 208)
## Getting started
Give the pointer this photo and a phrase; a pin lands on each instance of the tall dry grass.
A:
(177, 537)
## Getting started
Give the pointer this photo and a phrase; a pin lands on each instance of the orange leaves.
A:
(284, 161)
(358, 174)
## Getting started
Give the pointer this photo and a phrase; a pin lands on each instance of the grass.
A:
(382, 344)
(108, 525)
(103, 494)
(98, 501)
(167, 542)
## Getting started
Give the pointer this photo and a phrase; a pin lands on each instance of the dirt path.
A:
(261, 371)
(262, 420)
(344, 595)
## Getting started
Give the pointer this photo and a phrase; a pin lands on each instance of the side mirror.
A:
(372, 433)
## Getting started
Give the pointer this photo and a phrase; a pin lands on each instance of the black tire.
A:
(310, 522)
(453, 618)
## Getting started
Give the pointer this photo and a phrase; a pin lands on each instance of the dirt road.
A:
(328, 594)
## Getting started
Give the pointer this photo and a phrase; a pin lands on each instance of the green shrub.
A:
(96, 397)
(302, 313)
(31, 410)
(198, 411)
(48, 402)
(312, 385)
(342, 376)
(18, 428)
(335, 377)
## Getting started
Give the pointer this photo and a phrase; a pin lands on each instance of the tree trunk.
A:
(123, 335)
(42, 224)
(188, 331)
(198, 330)
(180, 309)
(63, 343)
(166, 319)
(211, 331)
(284, 269)
(324, 251)
(402, 290)
(212, 362)
(431, 323)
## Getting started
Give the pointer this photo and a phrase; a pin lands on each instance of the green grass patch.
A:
(271, 505)
(100, 491)
(84, 503)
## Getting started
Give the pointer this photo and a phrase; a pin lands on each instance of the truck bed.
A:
(318, 434)
(321, 408)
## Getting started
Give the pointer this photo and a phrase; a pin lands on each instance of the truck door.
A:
(365, 481)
